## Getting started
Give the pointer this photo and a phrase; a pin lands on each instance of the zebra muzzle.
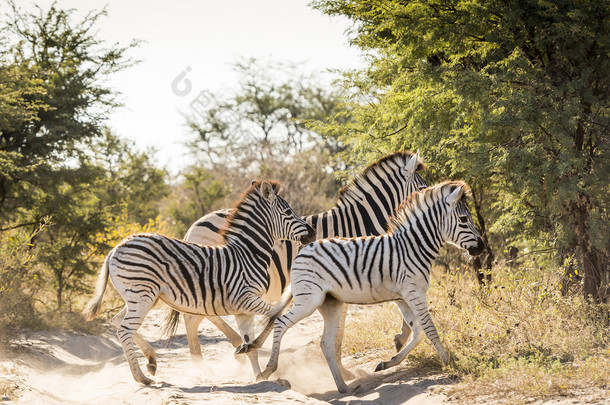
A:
(310, 237)
(476, 250)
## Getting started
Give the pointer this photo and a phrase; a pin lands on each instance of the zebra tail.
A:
(282, 303)
(275, 313)
(170, 324)
(93, 307)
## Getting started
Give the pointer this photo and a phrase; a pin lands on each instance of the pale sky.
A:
(204, 36)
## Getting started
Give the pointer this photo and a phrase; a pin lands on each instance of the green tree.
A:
(265, 118)
(511, 96)
(109, 179)
(199, 193)
(58, 161)
(18, 284)
(263, 130)
(69, 62)
(131, 176)
(54, 98)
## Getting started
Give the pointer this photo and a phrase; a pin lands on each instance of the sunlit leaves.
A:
(514, 99)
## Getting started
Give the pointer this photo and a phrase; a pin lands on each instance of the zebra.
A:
(197, 279)
(394, 266)
(362, 208)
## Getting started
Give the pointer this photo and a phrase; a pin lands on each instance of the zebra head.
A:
(412, 180)
(285, 223)
(458, 227)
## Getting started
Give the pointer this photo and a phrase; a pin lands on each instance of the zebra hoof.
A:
(242, 348)
(197, 360)
(343, 389)
(353, 389)
(152, 368)
(380, 367)
(282, 382)
(264, 376)
(145, 380)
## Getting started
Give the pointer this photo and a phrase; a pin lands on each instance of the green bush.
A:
(19, 283)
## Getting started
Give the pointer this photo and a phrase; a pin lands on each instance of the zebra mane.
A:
(251, 193)
(422, 200)
(361, 182)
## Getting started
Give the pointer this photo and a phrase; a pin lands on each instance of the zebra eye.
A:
(463, 219)
(287, 211)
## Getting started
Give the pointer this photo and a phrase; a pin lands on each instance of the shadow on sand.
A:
(253, 388)
(392, 388)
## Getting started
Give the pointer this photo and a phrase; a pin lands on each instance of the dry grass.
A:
(9, 381)
(19, 284)
(365, 333)
(513, 341)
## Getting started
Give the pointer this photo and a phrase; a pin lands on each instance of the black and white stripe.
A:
(363, 207)
(330, 273)
(197, 279)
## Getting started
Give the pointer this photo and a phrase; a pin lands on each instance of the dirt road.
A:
(68, 368)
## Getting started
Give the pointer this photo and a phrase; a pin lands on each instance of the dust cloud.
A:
(64, 368)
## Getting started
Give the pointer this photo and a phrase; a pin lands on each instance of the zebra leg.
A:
(148, 351)
(146, 348)
(254, 305)
(333, 312)
(301, 308)
(127, 329)
(245, 323)
(116, 320)
(228, 331)
(416, 337)
(338, 345)
(417, 303)
(191, 323)
(400, 339)
(258, 342)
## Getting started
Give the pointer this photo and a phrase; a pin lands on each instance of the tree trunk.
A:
(59, 297)
(592, 272)
(596, 269)
(485, 259)
(594, 263)
(60, 290)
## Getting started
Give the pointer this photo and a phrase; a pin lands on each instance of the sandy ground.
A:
(69, 368)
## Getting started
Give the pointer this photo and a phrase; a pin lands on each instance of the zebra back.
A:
(364, 205)
(207, 229)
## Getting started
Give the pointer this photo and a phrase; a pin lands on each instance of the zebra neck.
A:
(422, 238)
(252, 239)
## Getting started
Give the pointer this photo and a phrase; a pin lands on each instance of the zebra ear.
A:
(455, 196)
(267, 191)
(412, 163)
